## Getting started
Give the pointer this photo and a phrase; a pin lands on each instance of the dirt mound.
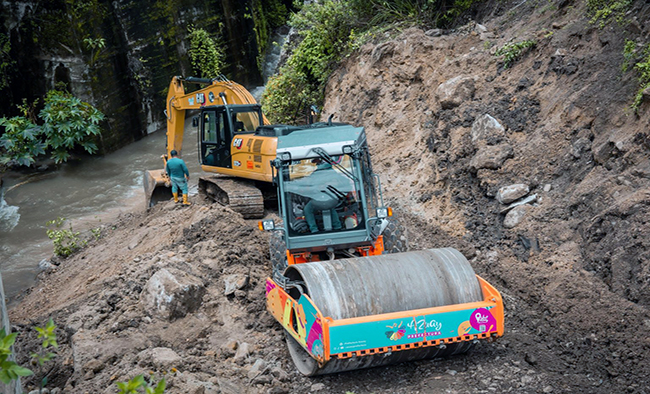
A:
(180, 290)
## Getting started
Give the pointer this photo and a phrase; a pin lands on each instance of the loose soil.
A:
(574, 273)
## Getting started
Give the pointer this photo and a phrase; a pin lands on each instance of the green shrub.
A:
(66, 241)
(67, 123)
(603, 11)
(133, 386)
(206, 54)
(512, 52)
(643, 68)
(325, 31)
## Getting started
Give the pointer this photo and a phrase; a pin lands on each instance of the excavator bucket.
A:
(156, 187)
(348, 314)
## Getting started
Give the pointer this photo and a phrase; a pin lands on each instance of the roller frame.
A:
(315, 332)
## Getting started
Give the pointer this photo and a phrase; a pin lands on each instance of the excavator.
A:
(232, 145)
(344, 286)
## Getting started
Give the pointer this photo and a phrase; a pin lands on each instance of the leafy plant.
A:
(643, 68)
(66, 241)
(206, 55)
(325, 30)
(138, 382)
(512, 52)
(95, 45)
(9, 370)
(67, 123)
(629, 50)
(603, 11)
(44, 355)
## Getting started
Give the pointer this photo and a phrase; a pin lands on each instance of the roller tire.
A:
(277, 249)
(395, 237)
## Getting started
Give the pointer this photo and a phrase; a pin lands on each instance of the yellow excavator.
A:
(233, 143)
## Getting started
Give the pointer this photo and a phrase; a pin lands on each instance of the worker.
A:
(311, 207)
(179, 175)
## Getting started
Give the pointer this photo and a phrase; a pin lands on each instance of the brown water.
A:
(88, 193)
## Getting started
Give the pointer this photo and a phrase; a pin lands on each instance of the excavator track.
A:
(239, 195)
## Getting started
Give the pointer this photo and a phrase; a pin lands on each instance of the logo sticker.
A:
(482, 320)
(191, 100)
(249, 164)
(237, 143)
(237, 163)
(200, 98)
(211, 97)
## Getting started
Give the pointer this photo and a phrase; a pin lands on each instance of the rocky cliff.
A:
(145, 44)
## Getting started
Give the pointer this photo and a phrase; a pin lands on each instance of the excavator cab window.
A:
(214, 140)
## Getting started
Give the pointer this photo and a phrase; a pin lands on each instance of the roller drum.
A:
(373, 285)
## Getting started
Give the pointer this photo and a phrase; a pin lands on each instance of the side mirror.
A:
(195, 121)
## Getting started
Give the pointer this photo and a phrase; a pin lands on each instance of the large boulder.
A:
(171, 294)
(486, 130)
(455, 91)
(510, 193)
(491, 157)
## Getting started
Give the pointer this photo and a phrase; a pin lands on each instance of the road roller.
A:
(344, 286)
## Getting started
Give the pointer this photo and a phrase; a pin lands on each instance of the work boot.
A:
(185, 202)
(175, 197)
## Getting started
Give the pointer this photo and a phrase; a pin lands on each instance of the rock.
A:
(235, 282)
(515, 216)
(452, 372)
(603, 152)
(547, 187)
(487, 131)
(530, 359)
(317, 387)
(46, 265)
(258, 368)
(479, 28)
(548, 389)
(228, 387)
(94, 366)
(581, 145)
(559, 52)
(161, 358)
(171, 294)
(455, 91)
(229, 349)
(243, 351)
(433, 33)
(491, 157)
(279, 373)
(508, 194)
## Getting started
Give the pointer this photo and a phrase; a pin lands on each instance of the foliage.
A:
(643, 68)
(9, 370)
(21, 141)
(325, 30)
(66, 241)
(439, 13)
(629, 50)
(206, 54)
(513, 51)
(95, 45)
(67, 122)
(603, 11)
(132, 386)
(6, 61)
(44, 355)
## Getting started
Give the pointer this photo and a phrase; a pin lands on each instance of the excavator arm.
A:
(218, 91)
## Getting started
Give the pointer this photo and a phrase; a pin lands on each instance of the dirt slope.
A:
(574, 271)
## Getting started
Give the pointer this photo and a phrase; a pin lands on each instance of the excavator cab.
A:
(218, 126)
